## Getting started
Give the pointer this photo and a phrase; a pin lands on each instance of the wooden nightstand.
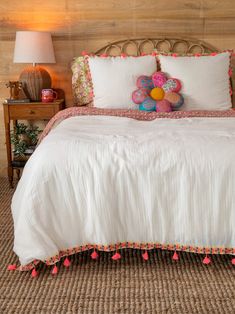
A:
(25, 111)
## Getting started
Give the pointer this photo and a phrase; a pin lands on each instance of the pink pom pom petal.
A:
(116, 256)
(84, 53)
(139, 95)
(163, 106)
(55, 270)
(233, 261)
(159, 79)
(34, 273)
(67, 262)
(145, 256)
(175, 256)
(11, 267)
(213, 54)
(206, 260)
(94, 255)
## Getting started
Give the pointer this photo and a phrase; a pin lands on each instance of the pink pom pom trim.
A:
(34, 273)
(206, 260)
(116, 256)
(145, 256)
(11, 267)
(94, 255)
(67, 262)
(54, 270)
(175, 256)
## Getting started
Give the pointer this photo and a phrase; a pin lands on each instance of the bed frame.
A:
(138, 46)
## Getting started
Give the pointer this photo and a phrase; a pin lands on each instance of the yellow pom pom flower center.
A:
(157, 93)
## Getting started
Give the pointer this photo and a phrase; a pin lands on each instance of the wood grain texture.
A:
(88, 25)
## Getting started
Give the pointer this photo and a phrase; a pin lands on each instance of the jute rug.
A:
(129, 285)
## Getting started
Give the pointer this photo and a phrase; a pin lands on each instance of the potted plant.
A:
(24, 139)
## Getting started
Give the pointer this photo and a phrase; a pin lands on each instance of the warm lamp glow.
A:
(34, 47)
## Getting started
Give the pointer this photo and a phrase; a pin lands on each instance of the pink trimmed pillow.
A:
(205, 79)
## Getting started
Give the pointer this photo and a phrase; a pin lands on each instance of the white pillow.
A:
(205, 80)
(114, 79)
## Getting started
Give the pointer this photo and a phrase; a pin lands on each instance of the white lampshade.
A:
(33, 47)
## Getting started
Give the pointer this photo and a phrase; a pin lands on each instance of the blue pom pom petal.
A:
(148, 105)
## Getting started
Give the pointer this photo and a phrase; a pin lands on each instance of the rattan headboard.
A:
(146, 45)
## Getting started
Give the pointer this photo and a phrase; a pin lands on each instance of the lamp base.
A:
(34, 79)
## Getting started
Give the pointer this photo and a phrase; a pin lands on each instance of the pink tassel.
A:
(123, 55)
(11, 267)
(206, 260)
(55, 270)
(84, 53)
(34, 273)
(175, 256)
(213, 54)
(174, 55)
(104, 55)
(145, 256)
(233, 261)
(67, 262)
(94, 255)
(116, 256)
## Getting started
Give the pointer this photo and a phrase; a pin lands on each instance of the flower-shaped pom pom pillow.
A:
(158, 93)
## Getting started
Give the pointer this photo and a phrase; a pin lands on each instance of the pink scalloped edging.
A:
(127, 245)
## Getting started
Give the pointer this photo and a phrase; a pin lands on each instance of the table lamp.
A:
(34, 47)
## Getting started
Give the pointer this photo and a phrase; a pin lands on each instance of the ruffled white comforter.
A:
(104, 180)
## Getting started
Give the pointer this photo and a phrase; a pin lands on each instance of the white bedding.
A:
(104, 180)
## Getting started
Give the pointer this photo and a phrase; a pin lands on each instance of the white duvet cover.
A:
(105, 180)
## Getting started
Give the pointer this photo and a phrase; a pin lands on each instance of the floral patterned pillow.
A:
(81, 82)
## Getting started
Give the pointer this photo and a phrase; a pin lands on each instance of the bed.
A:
(109, 179)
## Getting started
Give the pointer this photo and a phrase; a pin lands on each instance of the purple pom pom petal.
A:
(177, 105)
(144, 82)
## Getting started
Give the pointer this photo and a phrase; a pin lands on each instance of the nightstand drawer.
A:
(31, 112)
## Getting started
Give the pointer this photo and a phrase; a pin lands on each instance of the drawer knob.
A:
(32, 112)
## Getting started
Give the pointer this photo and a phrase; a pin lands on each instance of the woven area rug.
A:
(129, 285)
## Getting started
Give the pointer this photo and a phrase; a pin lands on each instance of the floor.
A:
(130, 285)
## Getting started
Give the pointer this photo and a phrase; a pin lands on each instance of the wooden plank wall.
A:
(88, 25)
